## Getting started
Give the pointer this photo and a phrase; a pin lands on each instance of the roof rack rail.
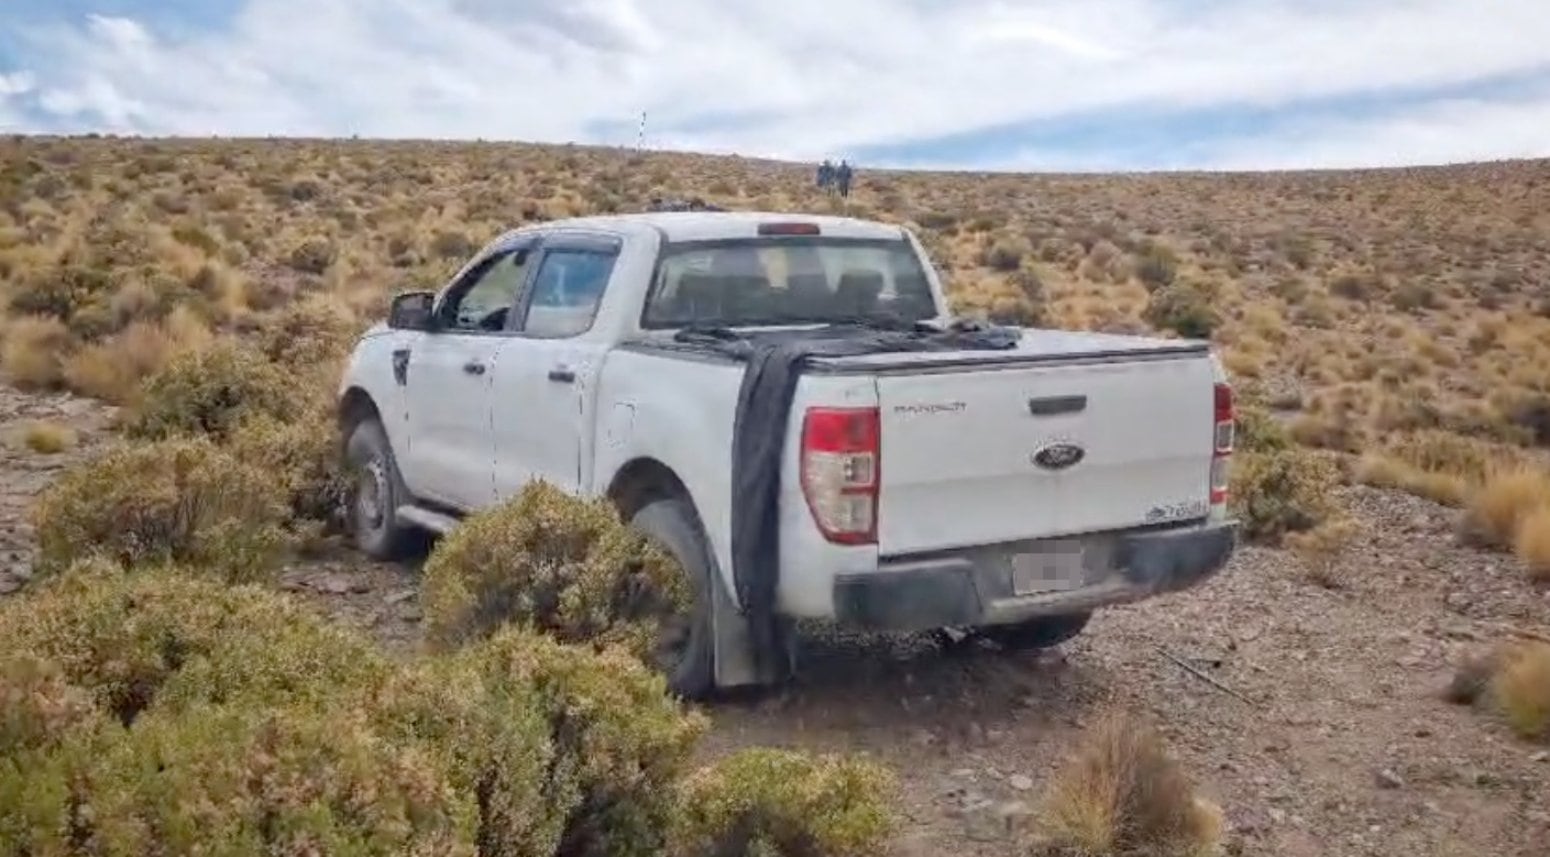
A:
(694, 204)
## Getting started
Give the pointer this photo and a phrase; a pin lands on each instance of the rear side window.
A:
(772, 282)
(566, 292)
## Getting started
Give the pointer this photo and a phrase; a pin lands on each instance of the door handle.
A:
(473, 367)
(562, 375)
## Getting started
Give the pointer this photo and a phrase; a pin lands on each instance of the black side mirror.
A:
(412, 311)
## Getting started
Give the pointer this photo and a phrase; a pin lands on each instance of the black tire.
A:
(1042, 633)
(689, 663)
(376, 491)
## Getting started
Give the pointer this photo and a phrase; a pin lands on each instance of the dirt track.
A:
(1343, 746)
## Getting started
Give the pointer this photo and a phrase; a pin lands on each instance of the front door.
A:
(451, 370)
(543, 408)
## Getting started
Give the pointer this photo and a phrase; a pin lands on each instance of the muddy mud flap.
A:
(737, 661)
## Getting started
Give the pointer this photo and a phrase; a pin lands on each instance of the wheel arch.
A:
(643, 480)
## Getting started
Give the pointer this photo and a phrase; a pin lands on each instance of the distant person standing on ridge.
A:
(844, 175)
(825, 174)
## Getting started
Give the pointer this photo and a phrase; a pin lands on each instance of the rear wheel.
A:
(377, 490)
(685, 647)
(1042, 633)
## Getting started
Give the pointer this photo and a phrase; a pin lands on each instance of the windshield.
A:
(765, 282)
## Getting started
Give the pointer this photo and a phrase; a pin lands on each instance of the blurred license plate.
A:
(1053, 567)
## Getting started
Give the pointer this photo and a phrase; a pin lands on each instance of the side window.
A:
(485, 303)
(566, 292)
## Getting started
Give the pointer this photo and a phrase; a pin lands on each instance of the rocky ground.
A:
(1311, 715)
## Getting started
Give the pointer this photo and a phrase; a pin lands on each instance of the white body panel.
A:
(950, 479)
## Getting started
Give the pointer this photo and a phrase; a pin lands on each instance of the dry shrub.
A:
(1319, 550)
(785, 804)
(182, 501)
(33, 350)
(49, 438)
(553, 562)
(1276, 493)
(1522, 689)
(1503, 503)
(114, 369)
(210, 392)
(1121, 794)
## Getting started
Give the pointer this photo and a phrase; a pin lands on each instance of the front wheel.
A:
(685, 648)
(1042, 633)
(376, 492)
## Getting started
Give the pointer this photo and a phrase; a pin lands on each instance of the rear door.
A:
(995, 454)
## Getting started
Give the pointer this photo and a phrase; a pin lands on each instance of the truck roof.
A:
(713, 225)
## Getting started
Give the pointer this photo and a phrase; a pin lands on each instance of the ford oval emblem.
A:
(1059, 456)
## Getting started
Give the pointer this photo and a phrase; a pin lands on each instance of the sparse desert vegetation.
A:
(1384, 330)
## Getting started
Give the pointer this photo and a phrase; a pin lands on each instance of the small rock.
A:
(22, 572)
(1541, 756)
(332, 584)
(1020, 783)
(411, 614)
(399, 597)
(9, 584)
(994, 822)
(1387, 779)
(1277, 815)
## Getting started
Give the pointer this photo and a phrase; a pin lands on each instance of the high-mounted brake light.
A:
(840, 472)
(789, 229)
(1223, 434)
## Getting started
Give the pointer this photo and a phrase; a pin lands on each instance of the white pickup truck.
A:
(1007, 489)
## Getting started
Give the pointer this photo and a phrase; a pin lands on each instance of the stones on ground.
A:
(1020, 782)
(392, 599)
(1387, 779)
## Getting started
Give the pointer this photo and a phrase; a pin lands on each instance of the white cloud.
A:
(809, 77)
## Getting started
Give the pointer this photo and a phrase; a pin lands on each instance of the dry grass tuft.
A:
(1522, 689)
(1532, 543)
(1320, 549)
(1501, 505)
(49, 438)
(1120, 793)
(33, 350)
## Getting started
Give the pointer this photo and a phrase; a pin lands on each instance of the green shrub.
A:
(162, 638)
(1184, 309)
(784, 804)
(1006, 253)
(553, 562)
(1157, 267)
(307, 334)
(182, 501)
(1287, 491)
(1258, 431)
(620, 741)
(303, 459)
(210, 392)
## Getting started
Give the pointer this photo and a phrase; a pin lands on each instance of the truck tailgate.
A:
(986, 453)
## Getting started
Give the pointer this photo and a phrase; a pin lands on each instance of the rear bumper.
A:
(975, 588)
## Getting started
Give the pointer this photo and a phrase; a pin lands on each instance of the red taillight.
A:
(1223, 429)
(840, 464)
(789, 229)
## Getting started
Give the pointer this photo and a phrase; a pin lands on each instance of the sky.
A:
(1044, 85)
